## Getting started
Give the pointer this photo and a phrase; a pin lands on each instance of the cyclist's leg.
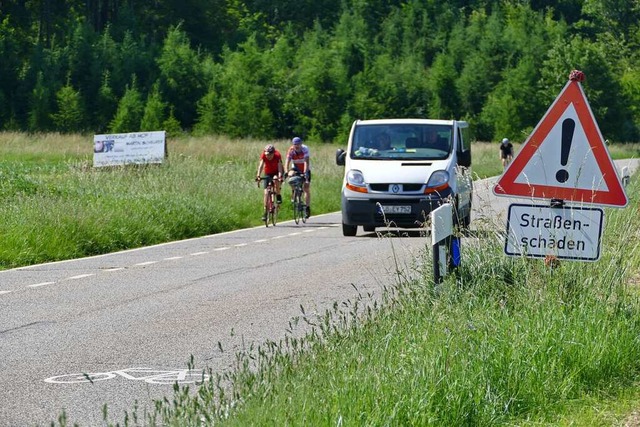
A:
(278, 189)
(307, 194)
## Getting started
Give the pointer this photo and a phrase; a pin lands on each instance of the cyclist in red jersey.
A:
(298, 159)
(271, 165)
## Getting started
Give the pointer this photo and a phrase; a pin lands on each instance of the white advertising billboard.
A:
(128, 148)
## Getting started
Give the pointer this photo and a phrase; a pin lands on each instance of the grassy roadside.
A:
(506, 342)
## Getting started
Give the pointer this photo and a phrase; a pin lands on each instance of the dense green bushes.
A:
(278, 68)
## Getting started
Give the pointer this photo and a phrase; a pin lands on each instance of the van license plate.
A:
(396, 209)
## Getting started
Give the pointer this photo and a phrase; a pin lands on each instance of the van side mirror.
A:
(340, 156)
(464, 158)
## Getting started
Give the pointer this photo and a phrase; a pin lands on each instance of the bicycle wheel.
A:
(80, 378)
(269, 208)
(296, 206)
(302, 207)
(273, 212)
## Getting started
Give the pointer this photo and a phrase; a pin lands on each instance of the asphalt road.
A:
(136, 317)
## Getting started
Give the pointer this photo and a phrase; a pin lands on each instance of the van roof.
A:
(409, 121)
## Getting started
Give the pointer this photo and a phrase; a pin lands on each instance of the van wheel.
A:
(369, 228)
(462, 222)
(466, 221)
(349, 230)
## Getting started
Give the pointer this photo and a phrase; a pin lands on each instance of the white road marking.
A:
(5, 292)
(37, 285)
(80, 276)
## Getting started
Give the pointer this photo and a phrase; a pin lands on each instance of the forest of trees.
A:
(274, 68)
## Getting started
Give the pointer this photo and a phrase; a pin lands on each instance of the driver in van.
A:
(383, 141)
(431, 139)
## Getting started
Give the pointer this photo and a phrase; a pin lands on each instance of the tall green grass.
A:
(57, 206)
(505, 341)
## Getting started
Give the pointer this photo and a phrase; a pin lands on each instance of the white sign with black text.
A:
(128, 148)
(563, 232)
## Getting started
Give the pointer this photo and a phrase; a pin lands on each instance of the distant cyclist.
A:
(298, 159)
(506, 152)
(271, 165)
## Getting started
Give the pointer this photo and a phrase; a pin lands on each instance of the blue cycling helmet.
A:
(297, 140)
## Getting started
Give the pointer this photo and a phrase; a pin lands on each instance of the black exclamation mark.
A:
(568, 126)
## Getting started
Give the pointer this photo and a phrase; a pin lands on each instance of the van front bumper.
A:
(404, 212)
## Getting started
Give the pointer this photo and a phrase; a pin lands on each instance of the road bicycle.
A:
(272, 205)
(148, 375)
(297, 196)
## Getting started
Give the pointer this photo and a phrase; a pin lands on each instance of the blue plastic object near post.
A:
(455, 251)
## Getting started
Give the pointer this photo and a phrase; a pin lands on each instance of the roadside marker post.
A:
(446, 247)
(626, 177)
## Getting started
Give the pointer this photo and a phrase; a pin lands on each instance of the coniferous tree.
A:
(154, 111)
(171, 125)
(244, 84)
(444, 101)
(40, 112)
(130, 111)
(105, 105)
(279, 65)
(317, 99)
(209, 117)
(181, 76)
(70, 113)
(10, 53)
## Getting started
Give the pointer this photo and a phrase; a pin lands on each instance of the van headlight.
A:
(355, 181)
(438, 181)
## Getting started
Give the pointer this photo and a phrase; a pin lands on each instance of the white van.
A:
(398, 170)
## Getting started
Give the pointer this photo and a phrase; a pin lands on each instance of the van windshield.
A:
(401, 142)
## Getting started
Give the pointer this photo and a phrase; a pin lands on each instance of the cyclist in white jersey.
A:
(298, 159)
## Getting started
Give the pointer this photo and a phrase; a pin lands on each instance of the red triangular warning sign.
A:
(565, 158)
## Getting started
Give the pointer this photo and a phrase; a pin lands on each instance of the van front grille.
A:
(405, 187)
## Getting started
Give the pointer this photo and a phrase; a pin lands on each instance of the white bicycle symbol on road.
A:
(148, 375)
